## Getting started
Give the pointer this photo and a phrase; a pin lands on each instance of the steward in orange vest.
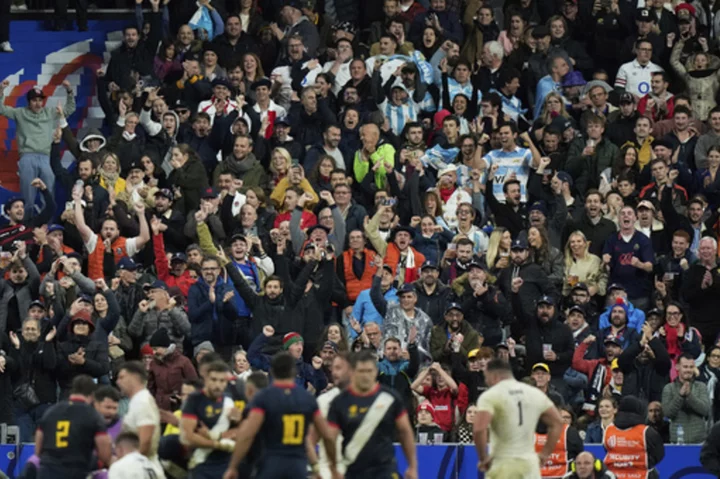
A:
(633, 449)
(568, 446)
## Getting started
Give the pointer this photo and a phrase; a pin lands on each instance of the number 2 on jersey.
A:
(61, 434)
(293, 429)
(520, 421)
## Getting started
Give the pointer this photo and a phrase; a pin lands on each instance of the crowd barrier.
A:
(447, 461)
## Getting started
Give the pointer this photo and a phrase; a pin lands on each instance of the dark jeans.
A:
(61, 13)
(27, 420)
(5, 20)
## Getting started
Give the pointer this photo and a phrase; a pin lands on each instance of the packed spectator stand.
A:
(442, 182)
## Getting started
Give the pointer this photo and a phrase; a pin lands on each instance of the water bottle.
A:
(680, 435)
(79, 186)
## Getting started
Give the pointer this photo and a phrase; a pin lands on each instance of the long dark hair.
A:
(619, 167)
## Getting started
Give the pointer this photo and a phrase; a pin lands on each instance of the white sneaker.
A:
(5, 47)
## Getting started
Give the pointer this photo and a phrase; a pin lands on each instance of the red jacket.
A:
(587, 366)
(444, 403)
(183, 282)
(654, 114)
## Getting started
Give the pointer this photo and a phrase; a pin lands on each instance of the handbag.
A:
(25, 394)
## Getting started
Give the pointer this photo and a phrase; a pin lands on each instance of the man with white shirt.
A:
(264, 105)
(130, 464)
(340, 67)
(143, 416)
(635, 76)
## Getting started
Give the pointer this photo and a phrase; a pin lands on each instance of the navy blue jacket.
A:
(210, 321)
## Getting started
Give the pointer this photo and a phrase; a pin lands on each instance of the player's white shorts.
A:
(514, 468)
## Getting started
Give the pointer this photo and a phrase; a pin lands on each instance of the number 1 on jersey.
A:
(520, 422)
(293, 429)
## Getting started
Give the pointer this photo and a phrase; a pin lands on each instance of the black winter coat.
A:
(140, 59)
(37, 362)
(645, 381)
(279, 312)
(537, 334)
(96, 364)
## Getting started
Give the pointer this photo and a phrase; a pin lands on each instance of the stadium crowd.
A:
(441, 182)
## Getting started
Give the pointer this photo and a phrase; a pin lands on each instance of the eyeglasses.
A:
(715, 356)
(674, 313)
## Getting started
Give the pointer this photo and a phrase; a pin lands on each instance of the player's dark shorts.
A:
(282, 467)
(52, 472)
(375, 473)
(214, 470)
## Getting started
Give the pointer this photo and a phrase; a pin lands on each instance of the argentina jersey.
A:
(455, 88)
(517, 161)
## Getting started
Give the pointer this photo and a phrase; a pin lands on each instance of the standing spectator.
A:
(636, 76)
(456, 335)
(701, 290)
(687, 403)
(160, 311)
(211, 309)
(35, 125)
(36, 362)
(657, 420)
(169, 370)
(607, 409)
(80, 354)
(629, 255)
(646, 367)
(135, 54)
(296, 24)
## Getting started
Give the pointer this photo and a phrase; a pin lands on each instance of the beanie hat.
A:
(620, 302)
(204, 346)
(82, 316)
(160, 339)
(146, 351)
(426, 406)
(291, 338)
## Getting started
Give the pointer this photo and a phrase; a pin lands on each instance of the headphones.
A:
(598, 466)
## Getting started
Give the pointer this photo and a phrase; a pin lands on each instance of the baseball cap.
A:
(261, 82)
(662, 142)
(546, 300)
(210, 193)
(519, 243)
(331, 344)
(222, 81)
(646, 204)
(577, 309)
(627, 98)
(452, 306)
(344, 26)
(178, 258)
(644, 15)
(581, 286)
(473, 353)
(165, 192)
(406, 288)
(611, 339)
(615, 286)
(565, 177)
(159, 284)
(37, 303)
(614, 365)
(281, 120)
(54, 227)
(542, 366)
(429, 264)
(127, 264)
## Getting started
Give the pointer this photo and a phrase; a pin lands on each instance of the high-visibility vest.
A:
(627, 456)
(558, 462)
